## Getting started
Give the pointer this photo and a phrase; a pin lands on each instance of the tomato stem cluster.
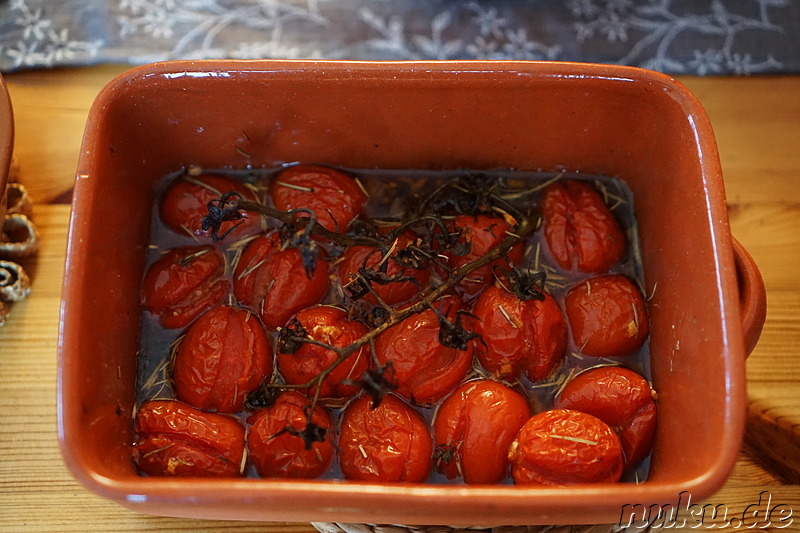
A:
(301, 225)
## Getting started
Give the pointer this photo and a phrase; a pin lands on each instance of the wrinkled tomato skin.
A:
(622, 399)
(185, 203)
(483, 233)
(607, 316)
(334, 197)
(476, 424)
(175, 439)
(224, 355)
(540, 455)
(391, 293)
(390, 443)
(530, 337)
(423, 369)
(274, 283)
(184, 283)
(279, 454)
(579, 228)
(330, 325)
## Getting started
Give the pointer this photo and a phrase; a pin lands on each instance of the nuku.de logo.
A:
(759, 515)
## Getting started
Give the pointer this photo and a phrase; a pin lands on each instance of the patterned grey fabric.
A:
(703, 37)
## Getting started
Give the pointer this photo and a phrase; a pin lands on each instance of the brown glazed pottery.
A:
(638, 125)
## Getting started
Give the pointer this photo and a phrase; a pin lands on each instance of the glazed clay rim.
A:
(752, 295)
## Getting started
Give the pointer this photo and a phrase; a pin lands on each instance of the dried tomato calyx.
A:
(412, 256)
(302, 240)
(526, 285)
(454, 334)
(226, 209)
(444, 454)
(376, 316)
(366, 276)
(375, 383)
(264, 396)
(365, 228)
(457, 245)
(310, 434)
(292, 336)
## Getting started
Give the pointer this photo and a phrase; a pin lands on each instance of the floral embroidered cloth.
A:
(677, 36)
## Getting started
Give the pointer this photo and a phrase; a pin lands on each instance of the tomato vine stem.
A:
(395, 316)
(231, 206)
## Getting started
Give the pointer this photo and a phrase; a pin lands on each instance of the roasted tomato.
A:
(333, 196)
(423, 369)
(224, 355)
(382, 270)
(519, 335)
(580, 229)
(184, 283)
(473, 429)
(331, 326)
(277, 445)
(175, 439)
(274, 282)
(622, 399)
(480, 234)
(562, 447)
(185, 203)
(607, 315)
(389, 443)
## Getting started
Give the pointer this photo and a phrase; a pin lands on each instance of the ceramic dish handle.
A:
(752, 296)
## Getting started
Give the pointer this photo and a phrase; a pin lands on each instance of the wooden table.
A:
(757, 122)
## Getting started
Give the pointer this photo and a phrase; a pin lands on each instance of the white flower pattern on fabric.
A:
(704, 37)
(655, 29)
(40, 43)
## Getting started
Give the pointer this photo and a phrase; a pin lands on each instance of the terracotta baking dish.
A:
(638, 125)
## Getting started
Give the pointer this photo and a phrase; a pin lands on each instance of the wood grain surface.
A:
(757, 124)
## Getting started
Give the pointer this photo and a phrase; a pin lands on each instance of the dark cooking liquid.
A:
(390, 194)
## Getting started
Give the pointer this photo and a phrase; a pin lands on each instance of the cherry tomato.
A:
(185, 203)
(372, 259)
(389, 443)
(330, 325)
(473, 429)
(333, 196)
(607, 315)
(224, 355)
(562, 447)
(481, 233)
(184, 283)
(276, 451)
(580, 229)
(274, 282)
(520, 336)
(175, 439)
(424, 369)
(622, 399)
